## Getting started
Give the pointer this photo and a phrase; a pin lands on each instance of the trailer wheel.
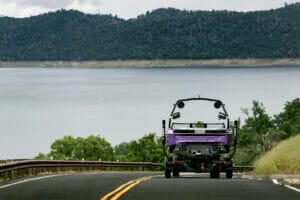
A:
(167, 173)
(214, 173)
(175, 173)
(229, 173)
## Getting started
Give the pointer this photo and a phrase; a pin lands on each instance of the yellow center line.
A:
(116, 190)
(124, 188)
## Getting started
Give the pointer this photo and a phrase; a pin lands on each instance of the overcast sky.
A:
(130, 8)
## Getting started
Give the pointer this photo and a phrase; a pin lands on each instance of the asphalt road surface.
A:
(143, 185)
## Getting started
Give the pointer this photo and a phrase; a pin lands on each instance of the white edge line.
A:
(27, 180)
(275, 181)
(292, 188)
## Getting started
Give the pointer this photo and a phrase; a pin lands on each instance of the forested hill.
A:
(160, 34)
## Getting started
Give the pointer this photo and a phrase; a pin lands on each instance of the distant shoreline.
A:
(251, 62)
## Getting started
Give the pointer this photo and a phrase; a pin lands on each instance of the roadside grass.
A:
(282, 159)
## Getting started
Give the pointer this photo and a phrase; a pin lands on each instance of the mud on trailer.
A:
(199, 146)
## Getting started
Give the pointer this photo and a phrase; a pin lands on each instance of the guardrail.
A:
(26, 168)
(14, 170)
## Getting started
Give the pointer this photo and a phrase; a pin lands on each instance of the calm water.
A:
(38, 106)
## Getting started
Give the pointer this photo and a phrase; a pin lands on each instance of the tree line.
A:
(146, 149)
(160, 34)
(258, 134)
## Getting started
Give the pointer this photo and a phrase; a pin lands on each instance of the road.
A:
(143, 185)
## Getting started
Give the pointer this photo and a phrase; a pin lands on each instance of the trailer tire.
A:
(214, 173)
(175, 173)
(229, 173)
(167, 173)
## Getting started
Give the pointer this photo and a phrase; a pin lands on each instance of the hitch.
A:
(164, 137)
(235, 137)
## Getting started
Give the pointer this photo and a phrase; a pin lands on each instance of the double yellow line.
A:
(117, 193)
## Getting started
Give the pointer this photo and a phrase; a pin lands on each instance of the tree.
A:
(256, 136)
(96, 148)
(90, 148)
(122, 151)
(260, 132)
(146, 149)
(288, 121)
(41, 156)
(258, 129)
(150, 150)
(63, 149)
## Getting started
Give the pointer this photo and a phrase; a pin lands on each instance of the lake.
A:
(39, 105)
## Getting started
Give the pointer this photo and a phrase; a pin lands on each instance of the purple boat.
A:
(197, 145)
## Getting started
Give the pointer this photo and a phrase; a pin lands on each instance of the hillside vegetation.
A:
(284, 158)
(160, 34)
(261, 132)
